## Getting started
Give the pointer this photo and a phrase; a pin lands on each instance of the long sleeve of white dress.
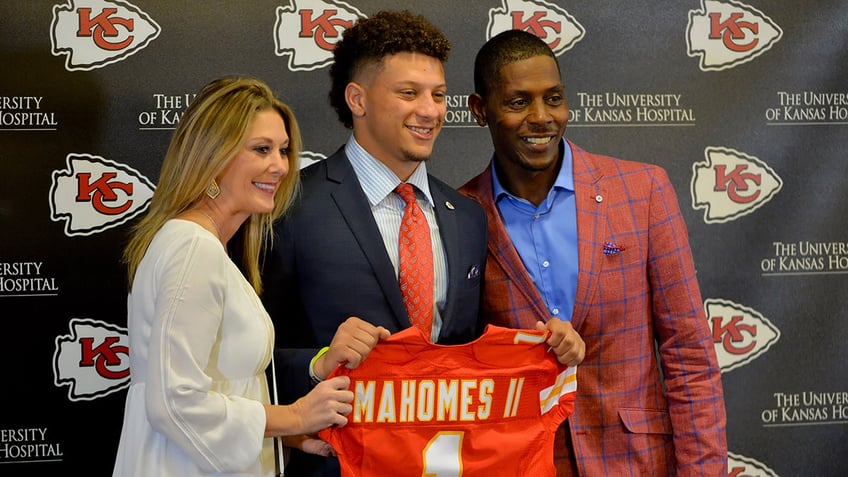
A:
(199, 344)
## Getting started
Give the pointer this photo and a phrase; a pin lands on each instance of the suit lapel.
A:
(506, 257)
(356, 210)
(591, 208)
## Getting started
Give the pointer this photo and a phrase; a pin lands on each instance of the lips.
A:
(265, 187)
(537, 140)
(420, 130)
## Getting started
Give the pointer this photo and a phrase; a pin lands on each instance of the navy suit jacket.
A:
(328, 263)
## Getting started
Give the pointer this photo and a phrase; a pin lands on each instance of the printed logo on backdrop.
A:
(806, 257)
(28, 445)
(24, 113)
(731, 184)
(26, 279)
(95, 194)
(807, 408)
(307, 158)
(93, 360)
(550, 22)
(740, 334)
(307, 31)
(458, 115)
(728, 33)
(166, 111)
(808, 108)
(741, 466)
(616, 109)
(96, 33)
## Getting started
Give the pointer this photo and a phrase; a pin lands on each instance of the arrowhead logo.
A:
(95, 194)
(308, 33)
(306, 158)
(740, 334)
(741, 466)
(96, 33)
(552, 23)
(727, 34)
(93, 360)
(731, 184)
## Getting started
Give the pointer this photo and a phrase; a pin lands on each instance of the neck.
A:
(214, 223)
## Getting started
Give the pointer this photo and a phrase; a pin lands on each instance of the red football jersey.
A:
(490, 407)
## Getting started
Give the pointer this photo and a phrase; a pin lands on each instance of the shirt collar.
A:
(564, 180)
(377, 180)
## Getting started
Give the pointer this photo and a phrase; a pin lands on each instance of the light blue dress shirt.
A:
(546, 237)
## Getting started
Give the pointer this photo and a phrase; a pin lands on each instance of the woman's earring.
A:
(213, 190)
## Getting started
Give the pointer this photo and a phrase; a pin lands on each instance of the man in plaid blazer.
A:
(599, 242)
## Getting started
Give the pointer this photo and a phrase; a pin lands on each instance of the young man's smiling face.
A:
(398, 108)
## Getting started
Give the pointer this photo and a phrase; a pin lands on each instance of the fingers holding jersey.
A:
(309, 444)
(564, 341)
(354, 339)
(328, 404)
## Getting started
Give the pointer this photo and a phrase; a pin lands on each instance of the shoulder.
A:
(180, 237)
(477, 185)
(614, 168)
(443, 192)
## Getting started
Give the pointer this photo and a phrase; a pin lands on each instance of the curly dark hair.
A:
(370, 40)
(502, 49)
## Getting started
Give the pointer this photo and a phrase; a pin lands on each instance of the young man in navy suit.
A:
(332, 278)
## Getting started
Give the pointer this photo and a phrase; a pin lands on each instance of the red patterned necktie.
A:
(416, 262)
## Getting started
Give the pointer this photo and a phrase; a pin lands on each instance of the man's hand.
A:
(310, 444)
(354, 339)
(564, 341)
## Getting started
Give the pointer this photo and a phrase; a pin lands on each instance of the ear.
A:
(355, 98)
(476, 104)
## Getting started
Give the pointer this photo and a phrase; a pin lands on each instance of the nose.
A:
(279, 164)
(430, 108)
(538, 113)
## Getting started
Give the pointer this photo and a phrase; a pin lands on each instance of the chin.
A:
(417, 157)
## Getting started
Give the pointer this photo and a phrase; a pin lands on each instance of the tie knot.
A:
(406, 192)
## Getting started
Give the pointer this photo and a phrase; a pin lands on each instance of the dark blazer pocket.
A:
(645, 421)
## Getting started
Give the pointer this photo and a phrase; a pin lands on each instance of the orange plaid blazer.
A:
(649, 392)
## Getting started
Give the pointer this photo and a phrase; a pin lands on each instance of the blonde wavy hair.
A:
(207, 137)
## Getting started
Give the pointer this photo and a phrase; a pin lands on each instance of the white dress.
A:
(200, 341)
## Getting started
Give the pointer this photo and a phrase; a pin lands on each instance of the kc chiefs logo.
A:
(726, 34)
(742, 466)
(740, 334)
(731, 184)
(94, 194)
(93, 360)
(95, 33)
(308, 32)
(550, 22)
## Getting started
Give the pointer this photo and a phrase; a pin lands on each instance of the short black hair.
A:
(370, 40)
(502, 49)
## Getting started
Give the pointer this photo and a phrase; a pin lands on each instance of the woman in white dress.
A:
(200, 339)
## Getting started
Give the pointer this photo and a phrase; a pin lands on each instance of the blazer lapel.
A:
(356, 210)
(506, 257)
(591, 227)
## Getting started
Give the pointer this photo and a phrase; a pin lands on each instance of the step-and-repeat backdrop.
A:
(745, 103)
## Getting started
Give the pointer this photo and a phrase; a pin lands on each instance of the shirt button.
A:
(555, 311)
(546, 264)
